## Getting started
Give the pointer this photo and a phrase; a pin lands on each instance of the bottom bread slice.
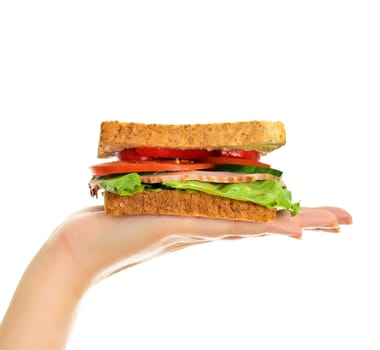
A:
(171, 202)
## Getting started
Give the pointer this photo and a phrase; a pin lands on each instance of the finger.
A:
(317, 219)
(343, 217)
(216, 228)
(286, 225)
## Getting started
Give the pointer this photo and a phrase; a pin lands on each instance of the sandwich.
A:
(204, 170)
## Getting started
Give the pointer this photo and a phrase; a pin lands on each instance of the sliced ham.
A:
(200, 175)
(207, 176)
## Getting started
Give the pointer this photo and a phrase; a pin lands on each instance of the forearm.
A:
(45, 302)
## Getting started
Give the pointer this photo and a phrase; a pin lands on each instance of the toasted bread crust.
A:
(263, 136)
(167, 202)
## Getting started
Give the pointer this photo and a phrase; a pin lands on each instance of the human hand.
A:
(90, 245)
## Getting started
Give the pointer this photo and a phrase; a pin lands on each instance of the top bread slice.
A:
(262, 136)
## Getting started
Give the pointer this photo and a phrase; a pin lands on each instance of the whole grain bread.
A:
(263, 136)
(169, 202)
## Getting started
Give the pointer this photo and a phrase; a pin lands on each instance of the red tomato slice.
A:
(162, 152)
(235, 160)
(239, 153)
(131, 154)
(119, 167)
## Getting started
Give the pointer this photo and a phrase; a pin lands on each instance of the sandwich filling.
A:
(235, 174)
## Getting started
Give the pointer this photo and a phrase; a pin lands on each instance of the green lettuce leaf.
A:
(123, 185)
(268, 193)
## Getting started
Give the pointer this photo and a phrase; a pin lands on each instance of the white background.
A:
(66, 66)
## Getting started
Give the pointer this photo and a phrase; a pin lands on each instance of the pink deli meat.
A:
(199, 175)
(207, 176)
